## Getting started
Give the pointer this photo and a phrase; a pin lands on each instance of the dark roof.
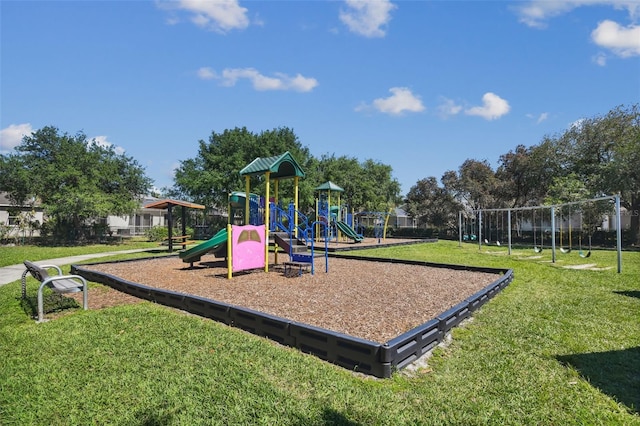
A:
(164, 204)
(280, 167)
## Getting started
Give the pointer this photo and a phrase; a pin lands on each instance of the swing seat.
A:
(565, 250)
(537, 249)
(585, 255)
(486, 241)
(498, 243)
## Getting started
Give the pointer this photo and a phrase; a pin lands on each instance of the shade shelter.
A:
(282, 166)
(168, 205)
(326, 189)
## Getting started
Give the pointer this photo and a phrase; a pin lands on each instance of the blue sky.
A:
(419, 85)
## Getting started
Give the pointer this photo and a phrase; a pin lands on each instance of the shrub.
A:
(415, 232)
(157, 233)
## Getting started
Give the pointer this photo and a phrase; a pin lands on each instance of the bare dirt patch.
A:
(370, 300)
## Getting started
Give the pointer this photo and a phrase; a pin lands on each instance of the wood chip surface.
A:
(375, 301)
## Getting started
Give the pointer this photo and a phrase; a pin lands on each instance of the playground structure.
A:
(492, 226)
(246, 246)
(338, 220)
(380, 223)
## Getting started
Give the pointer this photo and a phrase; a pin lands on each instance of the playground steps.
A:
(289, 245)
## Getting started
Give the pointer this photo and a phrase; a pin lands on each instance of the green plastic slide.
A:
(349, 231)
(216, 243)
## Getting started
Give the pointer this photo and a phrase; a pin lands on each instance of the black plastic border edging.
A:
(388, 243)
(379, 360)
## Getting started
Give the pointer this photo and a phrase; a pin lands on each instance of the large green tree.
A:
(604, 152)
(473, 185)
(432, 204)
(368, 185)
(594, 157)
(76, 179)
(215, 171)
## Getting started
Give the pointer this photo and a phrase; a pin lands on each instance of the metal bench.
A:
(58, 283)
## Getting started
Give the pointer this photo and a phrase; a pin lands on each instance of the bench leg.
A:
(40, 305)
(85, 299)
(85, 295)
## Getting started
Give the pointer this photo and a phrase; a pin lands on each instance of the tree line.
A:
(214, 172)
(594, 157)
(77, 180)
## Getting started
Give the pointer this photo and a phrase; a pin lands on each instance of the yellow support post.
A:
(386, 222)
(229, 253)
(317, 219)
(267, 218)
(276, 192)
(247, 189)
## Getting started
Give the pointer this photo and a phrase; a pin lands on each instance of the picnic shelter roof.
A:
(166, 203)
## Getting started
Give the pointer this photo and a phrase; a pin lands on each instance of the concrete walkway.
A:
(12, 273)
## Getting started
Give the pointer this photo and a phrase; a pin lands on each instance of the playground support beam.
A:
(553, 234)
(460, 228)
(247, 190)
(229, 252)
(267, 219)
(509, 229)
(479, 229)
(295, 203)
(618, 233)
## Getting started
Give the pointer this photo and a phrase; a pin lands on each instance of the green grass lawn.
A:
(17, 254)
(556, 347)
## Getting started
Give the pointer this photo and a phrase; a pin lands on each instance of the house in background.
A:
(147, 217)
(20, 221)
(12, 219)
(401, 219)
(139, 222)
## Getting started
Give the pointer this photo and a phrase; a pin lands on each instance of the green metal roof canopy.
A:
(280, 167)
(329, 186)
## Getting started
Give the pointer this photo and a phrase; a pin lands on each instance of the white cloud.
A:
(206, 73)
(493, 107)
(623, 41)
(448, 108)
(536, 13)
(102, 141)
(220, 16)
(600, 59)
(366, 17)
(400, 101)
(11, 136)
(540, 118)
(279, 81)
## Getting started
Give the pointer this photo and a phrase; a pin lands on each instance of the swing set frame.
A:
(478, 216)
